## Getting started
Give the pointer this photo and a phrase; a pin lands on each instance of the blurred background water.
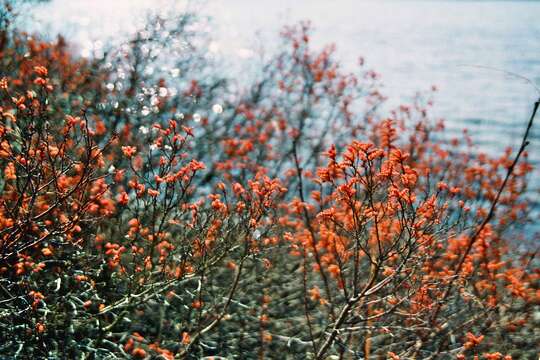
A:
(412, 44)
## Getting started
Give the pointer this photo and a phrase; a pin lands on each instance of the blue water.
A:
(413, 44)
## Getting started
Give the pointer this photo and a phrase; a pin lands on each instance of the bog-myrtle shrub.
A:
(150, 209)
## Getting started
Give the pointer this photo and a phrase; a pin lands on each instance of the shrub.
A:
(166, 214)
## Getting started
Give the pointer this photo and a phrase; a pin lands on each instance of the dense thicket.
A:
(151, 209)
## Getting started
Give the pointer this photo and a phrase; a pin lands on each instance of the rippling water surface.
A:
(413, 44)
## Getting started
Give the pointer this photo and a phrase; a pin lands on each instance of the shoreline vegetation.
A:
(149, 209)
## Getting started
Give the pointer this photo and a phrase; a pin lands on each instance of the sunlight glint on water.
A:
(412, 44)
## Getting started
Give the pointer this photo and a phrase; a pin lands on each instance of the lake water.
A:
(413, 44)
